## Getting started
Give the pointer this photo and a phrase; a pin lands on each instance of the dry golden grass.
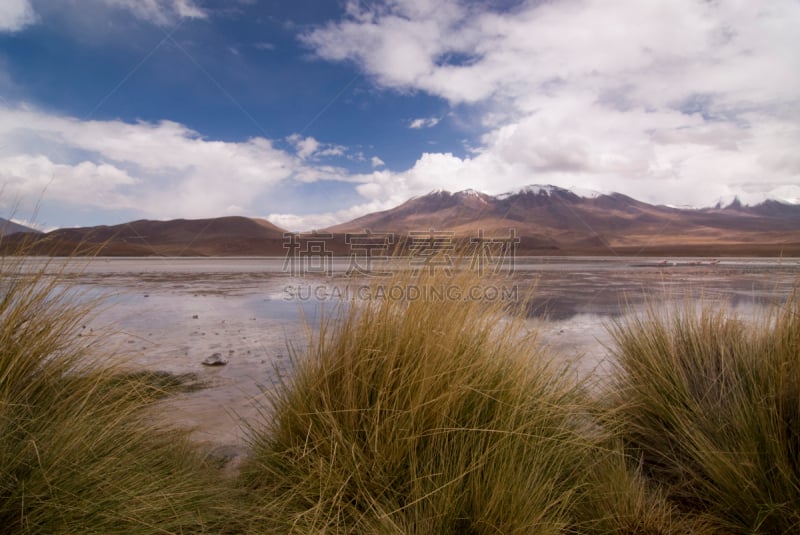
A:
(421, 417)
(711, 406)
(413, 416)
(78, 453)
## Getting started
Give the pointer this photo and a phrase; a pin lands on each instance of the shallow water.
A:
(171, 313)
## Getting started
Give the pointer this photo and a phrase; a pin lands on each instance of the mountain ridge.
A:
(221, 236)
(560, 219)
(548, 220)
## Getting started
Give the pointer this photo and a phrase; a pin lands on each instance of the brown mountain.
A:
(552, 220)
(222, 236)
(547, 220)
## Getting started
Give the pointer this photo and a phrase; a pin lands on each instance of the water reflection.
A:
(560, 287)
(170, 314)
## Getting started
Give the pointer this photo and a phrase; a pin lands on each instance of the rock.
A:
(227, 456)
(215, 360)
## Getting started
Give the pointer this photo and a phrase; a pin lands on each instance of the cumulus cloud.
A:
(424, 122)
(309, 148)
(16, 15)
(679, 102)
(85, 183)
(156, 169)
(305, 146)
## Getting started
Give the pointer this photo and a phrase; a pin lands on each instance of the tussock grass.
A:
(421, 417)
(711, 406)
(424, 416)
(619, 498)
(78, 453)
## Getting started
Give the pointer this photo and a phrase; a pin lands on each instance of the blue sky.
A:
(310, 113)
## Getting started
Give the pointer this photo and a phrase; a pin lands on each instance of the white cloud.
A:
(677, 102)
(159, 169)
(424, 122)
(31, 224)
(16, 15)
(307, 222)
(188, 9)
(331, 150)
(305, 146)
(309, 148)
(85, 183)
(160, 11)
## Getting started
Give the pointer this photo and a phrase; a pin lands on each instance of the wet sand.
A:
(170, 314)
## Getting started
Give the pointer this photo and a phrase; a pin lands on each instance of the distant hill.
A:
(553, 220)
(9, 227)
(223, 236)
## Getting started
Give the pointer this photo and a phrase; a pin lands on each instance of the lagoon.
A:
(171, 313)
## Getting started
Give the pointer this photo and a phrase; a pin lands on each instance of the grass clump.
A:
(711, 407)
(428, 416)
(78, 452)
(437, 414)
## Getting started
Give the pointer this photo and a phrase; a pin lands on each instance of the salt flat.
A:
(169, 314)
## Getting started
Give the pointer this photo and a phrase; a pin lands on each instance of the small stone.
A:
(195, 317)
(215, 360)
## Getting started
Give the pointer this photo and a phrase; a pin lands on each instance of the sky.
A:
(313, 112)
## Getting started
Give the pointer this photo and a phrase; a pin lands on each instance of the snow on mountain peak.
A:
(470, 192)
(548, 189)
(539, 189)
(587, 193)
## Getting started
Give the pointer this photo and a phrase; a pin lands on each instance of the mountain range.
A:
(553, 220)
(548, 220)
